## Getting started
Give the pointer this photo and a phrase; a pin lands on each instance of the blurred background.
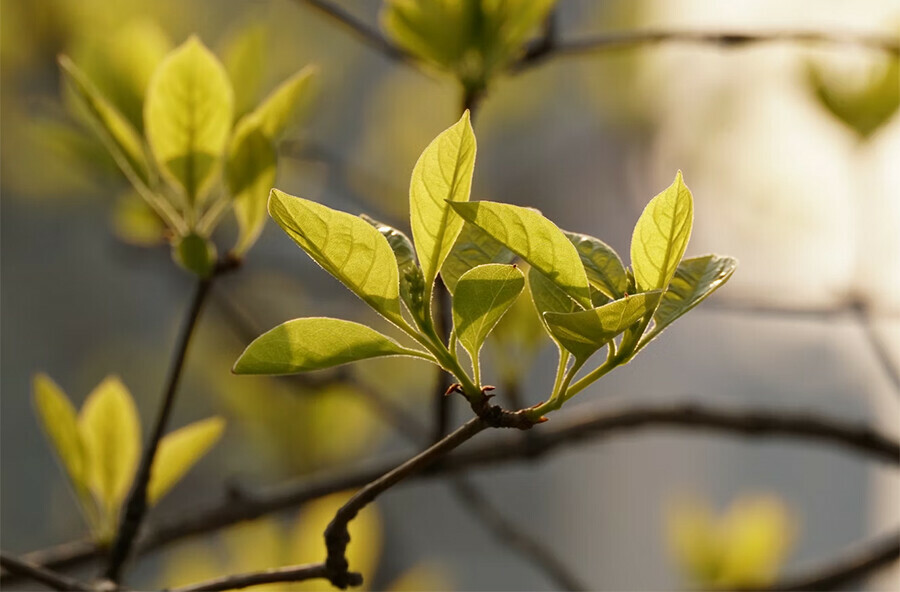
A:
(793, 156)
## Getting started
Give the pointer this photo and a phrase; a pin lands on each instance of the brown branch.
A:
(294, 573)
(40, 574)
(336, 535)
(587, 422)
(841, 571)
(369, 35)
(541, 51)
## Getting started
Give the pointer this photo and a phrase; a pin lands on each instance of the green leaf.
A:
(314, 343)
(250, 172)
(121, 138)
(584, 332)
(245, 56)
(535, 239)
(346, 246)
(111, 432)
(188, 115)
(604, 268)
(412, 283)
(134, 222)
(483, 295)
(547, 297)
(60, 424)
(442, 174)
(278, 110)
(179, 451)
(661, 236)
(473, 247)
(195, 254)
(695, 279)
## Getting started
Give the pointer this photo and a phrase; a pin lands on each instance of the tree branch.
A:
(40, 574)
(294, 573)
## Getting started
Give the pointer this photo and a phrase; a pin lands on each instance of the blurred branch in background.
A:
(37, 573)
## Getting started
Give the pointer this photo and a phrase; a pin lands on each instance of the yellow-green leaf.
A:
(195, 254)
(535, 239)
(60, 424)
(346, 246)
(179, 451)
(250, 172)
(120, 137)
(442, 174)
(547, 297)
(282, 106)
(188, 115)
(483, 295)
(111, 432)
(661, 236)
(473, 247)
(412, 282)
(315, 343)
(245, 57)
(604, 268)
(695, 279)
(135, 222)
(584, 332)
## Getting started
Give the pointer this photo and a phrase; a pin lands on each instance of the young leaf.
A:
(483, 295)
(179, 451)
(123, 139)
(584, 332)
(346, 246)
(250, 172)
(442, 174)
(473, 247)
(61, 426)
(661, 236)
(412, 283)
(694, 280)
(535, 239)
(112, 436)
(547, 297)
(279, 109)
(604, 268)
(314, 343)
(188, 115)
(195, 254)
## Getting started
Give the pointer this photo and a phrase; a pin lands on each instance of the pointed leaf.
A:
(278, 110)
(547, 297)
(314, 343)
(442, 174)
(412, 283)
(604, 268)
(661, 236)
(694, 280)
(584, 332)
(535, 239)
(188, 115)
(473, 247)
(179, 451)
(250, 172)
(483, 295)
(346, 246)
(60, 424)
(112, 435)
(122, 139)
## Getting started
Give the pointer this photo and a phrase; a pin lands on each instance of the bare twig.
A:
(40, 574)
(294, 573)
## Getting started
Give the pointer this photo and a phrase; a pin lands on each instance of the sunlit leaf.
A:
(442, 174)
(279, 109)
(661, 236)
(604, 268)
(179, 451)
(584, 332)
(694, 280)
(135, 222)
(250, 173)
(473, 247)
(547, 297)
(121, 138)
(188, 116)
(483, 295)
(111, 432)
(244, 56)
(346, 246)
(314, 343)
(412, 282)
(195, 254)
(535, 239)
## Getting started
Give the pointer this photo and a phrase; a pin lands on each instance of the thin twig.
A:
(879, 349)
(444, 317)
(40, 574)
(294, 573)
(336, 535)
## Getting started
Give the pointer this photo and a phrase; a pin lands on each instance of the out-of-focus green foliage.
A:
(864, 107)
(744, 547)
(471, 39)
(100, 448)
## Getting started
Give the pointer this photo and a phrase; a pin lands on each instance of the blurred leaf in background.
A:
(743, 547)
